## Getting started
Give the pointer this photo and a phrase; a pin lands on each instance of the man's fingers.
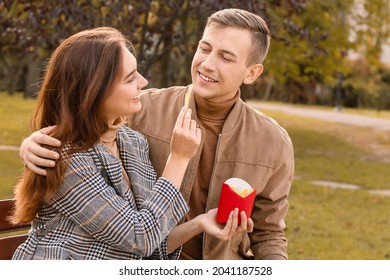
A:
(35, 169)
(36, 152)
(38, 160)
(47, 130)
(40, 137)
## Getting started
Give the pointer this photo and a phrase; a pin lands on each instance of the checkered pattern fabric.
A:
(95, 215)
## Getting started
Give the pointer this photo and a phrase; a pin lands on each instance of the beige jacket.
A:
(252, 146)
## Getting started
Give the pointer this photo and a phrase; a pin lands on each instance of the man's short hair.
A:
(248, 21)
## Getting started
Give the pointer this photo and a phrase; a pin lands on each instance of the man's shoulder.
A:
(264, 122)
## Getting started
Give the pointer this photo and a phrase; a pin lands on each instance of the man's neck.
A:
(210, 109)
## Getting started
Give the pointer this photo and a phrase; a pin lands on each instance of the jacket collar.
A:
(231, 120)
(112, 167)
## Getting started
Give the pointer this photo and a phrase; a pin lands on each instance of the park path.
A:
(332, 116)
(9, 148)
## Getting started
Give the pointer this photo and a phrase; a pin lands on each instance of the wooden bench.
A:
(13, 238)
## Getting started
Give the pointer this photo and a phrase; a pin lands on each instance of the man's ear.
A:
(254, 71)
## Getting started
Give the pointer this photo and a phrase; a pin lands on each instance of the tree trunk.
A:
(268, 89)
(34, 70)
(14, 72)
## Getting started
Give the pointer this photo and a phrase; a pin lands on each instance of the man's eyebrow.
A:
(223, 51)
(131, 73)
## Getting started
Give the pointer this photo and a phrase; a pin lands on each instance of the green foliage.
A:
(311, 40)
(317, 51)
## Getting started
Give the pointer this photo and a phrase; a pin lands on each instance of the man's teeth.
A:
(206, 78)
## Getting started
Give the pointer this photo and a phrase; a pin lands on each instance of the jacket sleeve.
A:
(161, 253)
(86, 199)
(268, 239)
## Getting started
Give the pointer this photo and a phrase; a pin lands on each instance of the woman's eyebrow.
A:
(131, 73)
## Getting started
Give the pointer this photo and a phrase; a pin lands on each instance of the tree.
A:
(371, 31)
(309, 46)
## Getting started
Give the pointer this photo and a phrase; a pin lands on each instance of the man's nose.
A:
(209, 62)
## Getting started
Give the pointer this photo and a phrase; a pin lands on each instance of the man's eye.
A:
(226, 59)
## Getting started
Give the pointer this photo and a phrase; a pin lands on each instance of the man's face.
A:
(219, 64)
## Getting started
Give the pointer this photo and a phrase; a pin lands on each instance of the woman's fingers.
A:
(251, 225)
(234, 223)
(232, 227)
(244, 221)
(180, 117)
(187, 119)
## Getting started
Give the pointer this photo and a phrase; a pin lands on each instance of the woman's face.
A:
(124, 99)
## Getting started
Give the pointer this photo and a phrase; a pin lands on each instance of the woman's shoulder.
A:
(131, 138)
(127, 133)
(79, 158)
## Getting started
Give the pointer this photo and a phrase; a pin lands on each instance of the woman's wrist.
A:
(198, 226)
(179, 160)
(175, 169)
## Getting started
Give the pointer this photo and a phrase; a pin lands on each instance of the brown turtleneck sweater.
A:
(108, 139)
(211, 116)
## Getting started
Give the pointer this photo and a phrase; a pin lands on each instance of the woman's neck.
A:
(108, 138)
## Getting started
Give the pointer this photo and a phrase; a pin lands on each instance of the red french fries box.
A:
(235, 193)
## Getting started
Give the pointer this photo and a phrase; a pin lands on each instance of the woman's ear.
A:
(254, 71)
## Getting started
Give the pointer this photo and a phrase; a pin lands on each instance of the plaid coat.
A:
(94, 215)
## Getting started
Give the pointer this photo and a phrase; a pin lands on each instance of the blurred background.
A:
(331, 56)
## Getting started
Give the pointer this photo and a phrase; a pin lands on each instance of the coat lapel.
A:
(112, 169)
(135, 167)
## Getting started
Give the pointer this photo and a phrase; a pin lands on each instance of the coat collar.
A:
(231, 120)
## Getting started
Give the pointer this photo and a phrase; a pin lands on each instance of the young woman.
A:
(102, 200)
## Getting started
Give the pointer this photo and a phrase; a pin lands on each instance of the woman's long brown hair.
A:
(79, 75)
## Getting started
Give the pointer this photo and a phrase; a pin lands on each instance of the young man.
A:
(237, 140)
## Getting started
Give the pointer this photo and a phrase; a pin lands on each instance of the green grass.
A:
(336, 224)
(322, 223)
(14, 127)
(16, 113)
(325, 223)
(327, 157)
(10, 170)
